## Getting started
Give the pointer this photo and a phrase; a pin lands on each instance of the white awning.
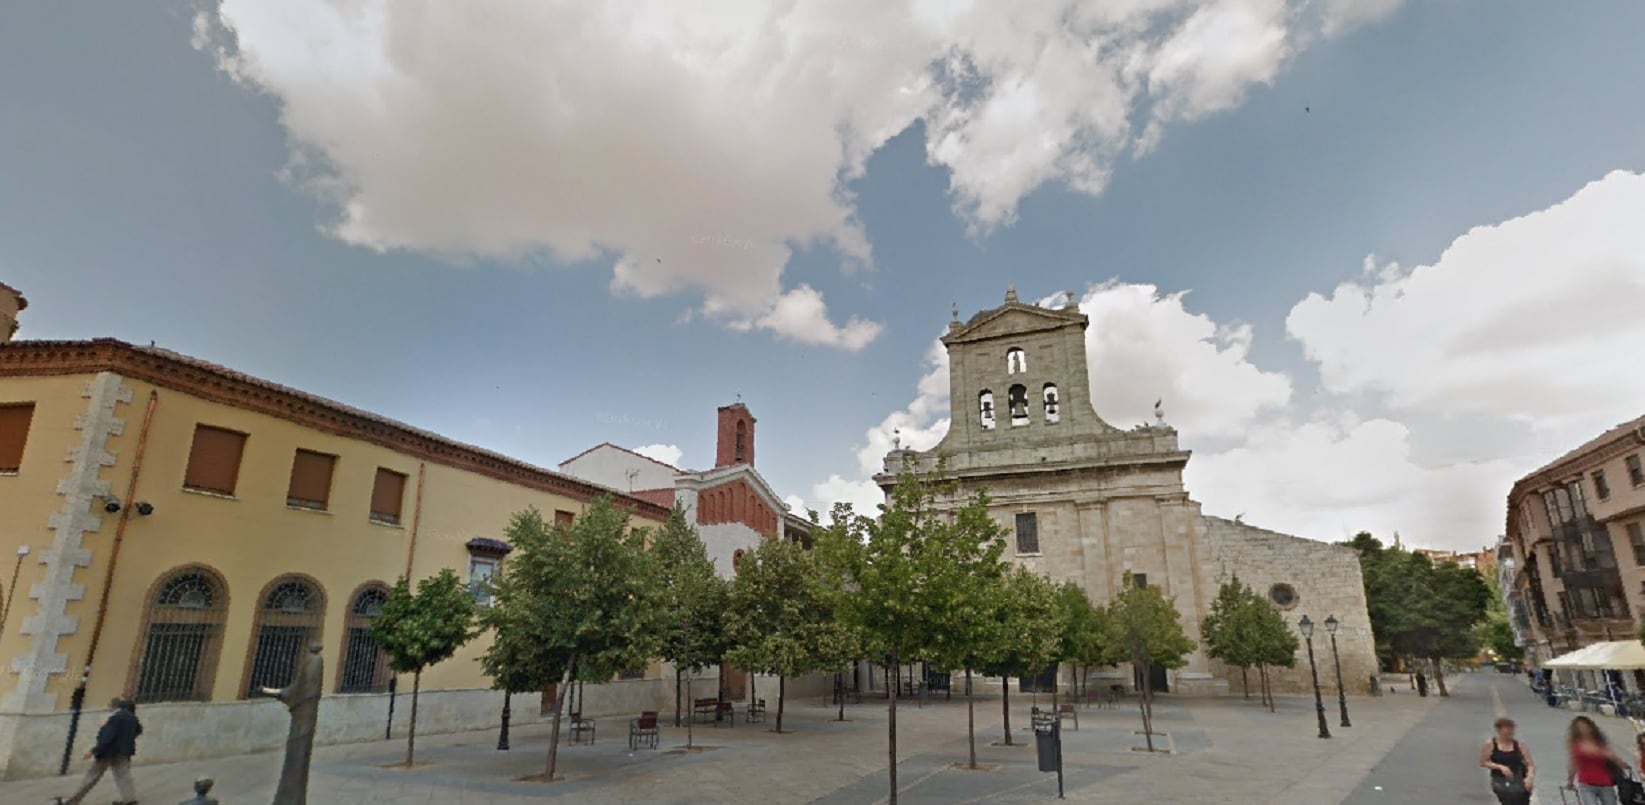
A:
(1620, 655)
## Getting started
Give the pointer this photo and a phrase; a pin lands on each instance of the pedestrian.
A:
(1510, 763)
(1595, 767)
(116, 743)
(1422, 684)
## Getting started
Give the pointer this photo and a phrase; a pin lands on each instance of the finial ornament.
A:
(956, 312)
(1159, 411)
(896, 438)
(1011, 292)
(1070, 304)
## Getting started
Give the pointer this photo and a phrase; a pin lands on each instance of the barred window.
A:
(365, 666)
(182, 637)
(1028, 533)
(289, 616)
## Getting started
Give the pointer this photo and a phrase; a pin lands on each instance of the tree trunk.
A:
(411, 737)
(677, 675)
(1245, 680)
(1267, 688)
(1439, 677)
(559, 707)
(970, 717)
(840, 680)
(1148, 706)
(782, 690)
(1056, 678)
(891, 730)
(1005, 706)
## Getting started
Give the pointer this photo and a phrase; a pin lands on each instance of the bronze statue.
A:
(302, 698)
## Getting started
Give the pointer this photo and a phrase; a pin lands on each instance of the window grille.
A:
(182, 638)
(288, 620)
(365, 666)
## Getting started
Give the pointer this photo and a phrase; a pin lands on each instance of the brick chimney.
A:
(736, 439)
(11, 304)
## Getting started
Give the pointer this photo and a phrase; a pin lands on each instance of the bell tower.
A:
(735, 443)
(1017, 374)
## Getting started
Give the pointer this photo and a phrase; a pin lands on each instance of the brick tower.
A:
(735, 444)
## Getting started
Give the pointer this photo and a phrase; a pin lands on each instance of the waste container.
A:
(1045, 742)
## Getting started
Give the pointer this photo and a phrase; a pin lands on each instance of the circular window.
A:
(1284, 596)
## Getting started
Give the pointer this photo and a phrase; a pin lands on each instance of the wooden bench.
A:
(756, 712)
(581, 726)
(1066, 712)
(704, 708)
(643, 731)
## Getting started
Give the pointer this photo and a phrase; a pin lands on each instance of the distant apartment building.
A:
(1576, 534)
(1483, 561)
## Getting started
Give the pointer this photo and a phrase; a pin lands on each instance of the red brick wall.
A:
(725, 448)
(735, 502)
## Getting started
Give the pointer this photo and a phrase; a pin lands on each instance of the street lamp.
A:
(1307, 627)
(1331, 624)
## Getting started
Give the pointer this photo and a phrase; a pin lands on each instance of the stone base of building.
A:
(32, 745)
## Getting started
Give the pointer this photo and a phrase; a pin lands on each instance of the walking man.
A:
(116, 743)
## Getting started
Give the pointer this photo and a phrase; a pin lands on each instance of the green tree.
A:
(1495, 632)
(694, 597)
(1030, 625)
(779, 621)
(1420, 610)
(1274, 643)
(1224, 630)
(1153, 636)
(894, 569)
(575, 601)
(420, 629)
(1090, 637)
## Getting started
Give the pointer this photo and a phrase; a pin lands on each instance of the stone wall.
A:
(32, 745)
(1326, 580)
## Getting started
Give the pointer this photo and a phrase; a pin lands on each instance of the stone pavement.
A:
(1224, 750)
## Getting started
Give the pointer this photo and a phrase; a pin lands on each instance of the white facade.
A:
(620, 469)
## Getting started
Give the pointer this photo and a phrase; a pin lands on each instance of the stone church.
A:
(1088, 501)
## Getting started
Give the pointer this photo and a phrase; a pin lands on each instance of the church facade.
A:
(1089, 502)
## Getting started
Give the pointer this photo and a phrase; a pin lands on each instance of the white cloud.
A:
(1335, 476)
(863, 495)
(694, 145)
(1342, 16)
(666, 453)
(1529, 320)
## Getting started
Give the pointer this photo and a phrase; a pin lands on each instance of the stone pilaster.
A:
(50, 621)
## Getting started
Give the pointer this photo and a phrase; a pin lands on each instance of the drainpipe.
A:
(78, 698)
(411, 553)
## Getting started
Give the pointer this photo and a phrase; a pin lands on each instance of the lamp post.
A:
(1331, 624)
(11, 592)
(1307, 627)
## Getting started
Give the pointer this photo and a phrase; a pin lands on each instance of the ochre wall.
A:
(250, 539)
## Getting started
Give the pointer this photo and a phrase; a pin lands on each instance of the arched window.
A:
(182, 637)
(1053, 405)
(365, 666)
(1015, 361)
(985, 407)
(1019, 404)
(289, 614)
(742, 433)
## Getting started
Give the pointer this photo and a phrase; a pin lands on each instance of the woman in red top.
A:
(1592, 764)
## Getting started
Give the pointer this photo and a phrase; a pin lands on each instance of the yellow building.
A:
(182, 530)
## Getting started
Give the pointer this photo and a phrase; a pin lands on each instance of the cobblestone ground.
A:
(1224, 750)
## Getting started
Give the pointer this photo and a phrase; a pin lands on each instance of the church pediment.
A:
(1013, 318)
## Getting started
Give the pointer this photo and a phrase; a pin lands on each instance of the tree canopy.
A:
(1420, 609)
(1152, 636)
(422, 628)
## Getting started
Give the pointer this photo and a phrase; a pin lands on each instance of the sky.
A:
(1378, 258)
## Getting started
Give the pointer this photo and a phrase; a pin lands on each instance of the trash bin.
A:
(1045, 742)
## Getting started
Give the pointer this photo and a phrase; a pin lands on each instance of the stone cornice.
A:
(225, 386)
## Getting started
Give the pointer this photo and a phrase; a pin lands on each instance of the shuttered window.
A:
(310, 480)
(563, 517)
(1028, 533)
(14, 431)
(214, 460)
(386, 496)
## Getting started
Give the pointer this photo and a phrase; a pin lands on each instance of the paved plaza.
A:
(1401, 749)
(1224, 750)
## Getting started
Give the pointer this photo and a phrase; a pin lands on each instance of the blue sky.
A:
(538, 230)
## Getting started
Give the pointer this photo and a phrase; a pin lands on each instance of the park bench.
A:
(704, 708)
(643, 731)
(756, 712)
(581, 726)
(1066, 712)
(727, 714)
